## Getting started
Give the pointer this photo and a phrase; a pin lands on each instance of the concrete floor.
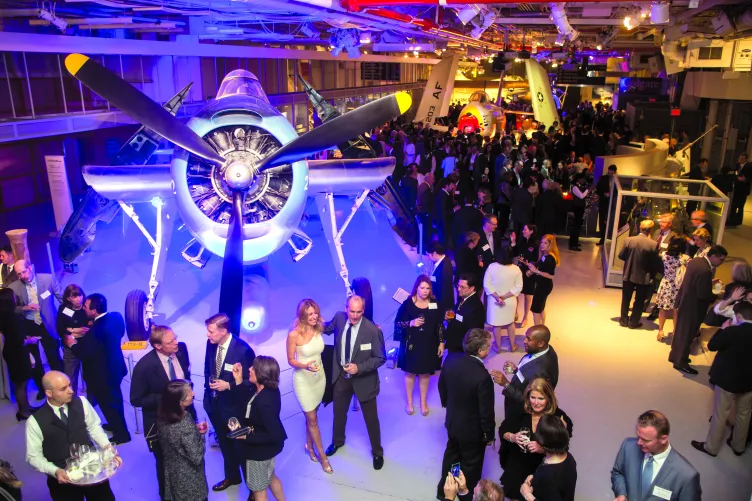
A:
(609, 375)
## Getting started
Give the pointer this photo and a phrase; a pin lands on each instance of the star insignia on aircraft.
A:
(540, 97)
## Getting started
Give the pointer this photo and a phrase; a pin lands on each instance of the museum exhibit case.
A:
(636, 198)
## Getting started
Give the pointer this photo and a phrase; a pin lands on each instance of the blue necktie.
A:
(171, 368)
(347, 343)
(647, 477)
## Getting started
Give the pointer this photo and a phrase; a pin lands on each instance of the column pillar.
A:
(707, 141)
(726, 130)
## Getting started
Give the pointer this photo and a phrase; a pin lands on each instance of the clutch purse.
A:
(152, 439)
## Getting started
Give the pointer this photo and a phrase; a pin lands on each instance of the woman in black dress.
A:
(419, 326)
(467, 259)
(521, 452)
(15, 352)
(556, 478)
(72, 321)
(543, 272)
(526, 250)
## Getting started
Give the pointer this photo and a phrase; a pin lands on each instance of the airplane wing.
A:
(348, 176)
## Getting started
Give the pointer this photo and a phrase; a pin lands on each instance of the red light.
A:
(675, 112)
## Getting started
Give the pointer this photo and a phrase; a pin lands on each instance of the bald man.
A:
(65, 419)
(36, 296)
(540, 361)
(358, 354)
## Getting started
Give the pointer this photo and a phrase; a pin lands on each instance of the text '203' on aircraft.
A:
(238, 178)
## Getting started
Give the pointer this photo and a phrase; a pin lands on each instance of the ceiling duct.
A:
(659, 13)
(559, 18)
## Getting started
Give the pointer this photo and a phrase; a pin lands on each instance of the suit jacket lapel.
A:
(356, 344)
(663, 473)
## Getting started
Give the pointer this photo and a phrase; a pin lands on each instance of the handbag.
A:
(152, 439)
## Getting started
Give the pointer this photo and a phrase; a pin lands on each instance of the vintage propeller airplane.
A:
(237, 178)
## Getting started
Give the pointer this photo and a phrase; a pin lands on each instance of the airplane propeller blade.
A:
(231, 287)
(339, 130)
(138, 106)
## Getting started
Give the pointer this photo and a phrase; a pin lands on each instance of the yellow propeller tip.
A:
(404, 101)
(74, 62)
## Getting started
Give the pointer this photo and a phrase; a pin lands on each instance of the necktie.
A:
(34, 299)
(63, 416)
(6, 272)
(171, 368)
(348, 338)
(647, 477)
(660, 239)
(217, 363)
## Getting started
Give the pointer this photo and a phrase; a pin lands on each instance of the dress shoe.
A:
(576, 249)
(378, 462)
(332, 449)
(700, 446)
(634, 326)
(623, 323)
(224, 484)
(728, 442)
(686, 369)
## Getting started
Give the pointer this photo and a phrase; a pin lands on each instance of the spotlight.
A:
(554, 65)
(365, 37)
(416, 53)
(659, 13)
(467, 14)
(628, 23)
(252, 318)
(599, 47)
(517, 59)
(58, 22)
(308, 30)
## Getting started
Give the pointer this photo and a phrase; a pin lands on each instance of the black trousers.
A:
(425, 221)
(343, 392)
(51, 345)
(640, 292)
(159, 459)
(229, 447)
(110, 400)
(602, 221)
(70, 492)
(470, 457)
(736, 214)
(574, 235)
(37, 372)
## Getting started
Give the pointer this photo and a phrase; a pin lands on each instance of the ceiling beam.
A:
(544, 21)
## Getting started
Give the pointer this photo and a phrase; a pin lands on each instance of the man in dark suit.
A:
(731, 373)
(7, 273)
(442, 277)
(467, 218)
(603, 189)
(166, 362)
(468, 314)
(742, 188)
(409, 187)
(444, 208)
(640, 256)
(103, 364)
(358, 354)
(647, 468)
(490, 241)
(424, 206)
(540, 361)
(223, 398)
(38, 296)
(692, 302)
(466, 391)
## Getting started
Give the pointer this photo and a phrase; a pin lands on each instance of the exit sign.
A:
(675, 112)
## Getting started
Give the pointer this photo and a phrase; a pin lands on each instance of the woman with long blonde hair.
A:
(543, 271)
(304, 348)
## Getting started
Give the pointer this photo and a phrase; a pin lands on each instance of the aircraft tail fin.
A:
(438, 92)
(540, 93)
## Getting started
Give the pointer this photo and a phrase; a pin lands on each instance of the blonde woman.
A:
(304, 348)
(502, 283)
(543, 270)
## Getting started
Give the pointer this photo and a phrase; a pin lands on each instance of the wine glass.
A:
(85, 450)
(526, 433)
(214, 380)
(422, 317)
(233, 423)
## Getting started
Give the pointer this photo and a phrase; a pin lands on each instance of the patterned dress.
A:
(669, 288)
(185, 472)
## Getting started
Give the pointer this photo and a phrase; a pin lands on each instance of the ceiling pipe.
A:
(358, 5)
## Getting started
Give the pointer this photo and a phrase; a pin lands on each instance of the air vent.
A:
(709, 53)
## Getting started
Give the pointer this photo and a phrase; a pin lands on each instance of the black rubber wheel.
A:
(136, 325)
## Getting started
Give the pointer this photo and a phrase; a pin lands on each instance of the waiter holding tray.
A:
(64, 420)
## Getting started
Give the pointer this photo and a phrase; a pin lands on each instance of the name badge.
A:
(457, 192)
(433, 278)
(432, 306)
(664, 245)
(45, 294)
(228, 367)
(520, 376)
(486, 247)
(662, 493)
(366, 346)
(68, 312)
(458, 317)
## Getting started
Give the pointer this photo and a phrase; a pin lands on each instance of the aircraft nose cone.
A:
(238, 176)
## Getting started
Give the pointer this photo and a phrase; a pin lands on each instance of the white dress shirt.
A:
(225, 346)
(436, 266)
(175, 364)
(658, 461)
(100, 316)
(34, 438)
(353, 338)
(489, 237)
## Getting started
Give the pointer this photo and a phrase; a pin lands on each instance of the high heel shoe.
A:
(409, 410)
(311, 454)
(326, 466)
(661, 336)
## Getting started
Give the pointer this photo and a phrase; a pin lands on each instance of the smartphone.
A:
(455, 471)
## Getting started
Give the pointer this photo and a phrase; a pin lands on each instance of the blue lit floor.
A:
(608, 375)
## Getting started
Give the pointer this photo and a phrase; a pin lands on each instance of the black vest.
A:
(56, 436)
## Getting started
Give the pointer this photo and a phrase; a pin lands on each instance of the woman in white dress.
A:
(304, 348)
(502, 283)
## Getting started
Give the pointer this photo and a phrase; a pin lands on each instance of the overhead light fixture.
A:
(659, 13)
(599, 47)
(467, 14)
(308, 30)
(58, 22)
(365, 37)
(559, 18)
(554, 64)
(629, 23)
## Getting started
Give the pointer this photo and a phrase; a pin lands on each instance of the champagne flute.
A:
(75, 451)
(422, 317)
(233, 423)
(525, 431)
